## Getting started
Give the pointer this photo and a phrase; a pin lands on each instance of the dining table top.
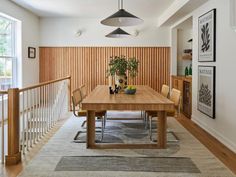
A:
(145, 98)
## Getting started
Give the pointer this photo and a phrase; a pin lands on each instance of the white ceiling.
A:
(94, 8)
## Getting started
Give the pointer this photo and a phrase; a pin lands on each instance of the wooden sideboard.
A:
(184, 84)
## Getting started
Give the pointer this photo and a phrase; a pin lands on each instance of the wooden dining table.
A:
(145, 98)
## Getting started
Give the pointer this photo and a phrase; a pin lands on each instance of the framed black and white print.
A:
(206, 90)
(31, 52)
(207, 36)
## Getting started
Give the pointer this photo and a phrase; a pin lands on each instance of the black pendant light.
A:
(118, 33)
(121, 18)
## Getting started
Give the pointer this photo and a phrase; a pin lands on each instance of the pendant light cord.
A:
(120, 4)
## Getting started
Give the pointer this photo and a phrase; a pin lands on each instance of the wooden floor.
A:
(218, 149)
(13, 171)
(225, 155)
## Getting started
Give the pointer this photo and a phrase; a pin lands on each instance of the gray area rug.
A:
(108, 138)
(124, 163)
(129, 131)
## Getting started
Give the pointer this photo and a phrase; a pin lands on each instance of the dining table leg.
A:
(90, 129)
(161, 124)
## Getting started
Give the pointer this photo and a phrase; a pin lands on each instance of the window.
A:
(7, 53)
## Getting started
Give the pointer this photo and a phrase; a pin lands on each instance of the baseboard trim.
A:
(229, 144)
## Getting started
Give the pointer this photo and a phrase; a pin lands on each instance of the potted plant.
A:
(118, 67)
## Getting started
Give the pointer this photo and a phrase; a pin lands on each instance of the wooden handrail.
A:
(13, 156)
(3, 92)
(44, 83)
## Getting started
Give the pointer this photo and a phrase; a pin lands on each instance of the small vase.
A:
(186, 71)
(121, 81)
(190, 70)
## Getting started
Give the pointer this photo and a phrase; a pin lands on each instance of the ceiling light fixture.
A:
(121, 18)
(118, 33)
(78, 33)
(135, 33)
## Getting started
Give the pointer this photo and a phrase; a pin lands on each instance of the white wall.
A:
(223, 127)
(29, 70)
(182, 37)
(61, 32)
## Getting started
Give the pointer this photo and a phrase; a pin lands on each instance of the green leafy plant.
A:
(133, 67)
(119, 65)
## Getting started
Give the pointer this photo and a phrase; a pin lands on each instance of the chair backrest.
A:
(175, 96)
(76, 97)
(83, 90)
(165, 90)
(76, 100)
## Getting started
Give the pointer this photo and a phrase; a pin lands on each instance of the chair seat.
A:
(100, 113)
(97, 113)
(154, 113)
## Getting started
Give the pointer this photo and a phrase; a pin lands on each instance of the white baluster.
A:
(23, 123)
(27, 120)
(3, 144)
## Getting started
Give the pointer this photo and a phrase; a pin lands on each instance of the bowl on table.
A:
(130, 91)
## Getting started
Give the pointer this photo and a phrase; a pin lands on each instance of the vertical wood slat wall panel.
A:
(88, 65)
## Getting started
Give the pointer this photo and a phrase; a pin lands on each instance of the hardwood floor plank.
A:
(224, 154)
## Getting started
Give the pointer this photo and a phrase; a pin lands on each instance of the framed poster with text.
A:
(207, 36)
(206, 90)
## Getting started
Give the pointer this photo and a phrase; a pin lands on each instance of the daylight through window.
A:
(7, 53)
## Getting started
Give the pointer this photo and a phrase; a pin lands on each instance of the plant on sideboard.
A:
(118, 67)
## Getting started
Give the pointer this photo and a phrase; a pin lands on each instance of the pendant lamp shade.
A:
(118, 33)
(122, 18)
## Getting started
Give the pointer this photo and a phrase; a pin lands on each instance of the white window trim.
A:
(14, 43)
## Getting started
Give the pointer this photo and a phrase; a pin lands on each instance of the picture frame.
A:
(207, 37)
(206, 90)
(31, 52)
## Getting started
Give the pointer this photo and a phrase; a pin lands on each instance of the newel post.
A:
(14, 154)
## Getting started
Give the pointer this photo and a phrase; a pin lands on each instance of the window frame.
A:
(14, 81)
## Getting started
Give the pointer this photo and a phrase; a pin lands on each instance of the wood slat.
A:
(88, 65)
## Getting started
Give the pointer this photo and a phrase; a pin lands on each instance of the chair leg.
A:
(145, 117)
(147, 121)
(168, 131)
(150, 128)
(104, 118)
(173, 133)
(83, 123)
(102, 130)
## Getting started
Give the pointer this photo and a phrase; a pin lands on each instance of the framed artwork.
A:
(31, 52)
(206, 90)
(207, 36)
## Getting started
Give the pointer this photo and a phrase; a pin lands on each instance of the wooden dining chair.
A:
(83, 93)
(165, 90)
(77, 97)
(83, 90)
(175, 97)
